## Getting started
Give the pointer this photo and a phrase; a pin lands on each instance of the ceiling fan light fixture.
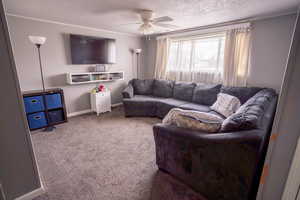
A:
(146, 29)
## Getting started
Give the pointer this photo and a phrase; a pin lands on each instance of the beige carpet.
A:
(109, 157)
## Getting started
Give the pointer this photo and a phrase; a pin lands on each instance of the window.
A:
(201, 54)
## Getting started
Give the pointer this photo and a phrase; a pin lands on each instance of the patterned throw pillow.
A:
(194, 120)
(226, 104)
(189, 122)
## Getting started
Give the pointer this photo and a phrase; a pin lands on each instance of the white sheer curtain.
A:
(237, 57)
(197, 59)
(221, 57)
(162, 55)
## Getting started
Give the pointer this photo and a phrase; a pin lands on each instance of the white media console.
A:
(93, 77)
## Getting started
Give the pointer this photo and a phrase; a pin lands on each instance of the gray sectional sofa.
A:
(220, 166)
(155, 98)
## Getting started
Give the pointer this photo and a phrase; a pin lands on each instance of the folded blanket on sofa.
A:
(195, 120)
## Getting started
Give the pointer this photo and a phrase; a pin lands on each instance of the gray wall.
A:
(18, 172)
(150, 49)
(286, 125)
(56, 59)
(270, 45)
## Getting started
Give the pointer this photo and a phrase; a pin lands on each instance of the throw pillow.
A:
(242, 93)
(226, 104)
(163, 88)
(143, 87)
(189, 122)
(206, 94)
(195, 120)
(184, 91)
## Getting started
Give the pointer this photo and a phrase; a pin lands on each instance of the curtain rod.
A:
(218, 25)
(208, 30)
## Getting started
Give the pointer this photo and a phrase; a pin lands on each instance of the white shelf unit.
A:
(93, 77)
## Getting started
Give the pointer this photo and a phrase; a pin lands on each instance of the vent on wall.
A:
(2, 196)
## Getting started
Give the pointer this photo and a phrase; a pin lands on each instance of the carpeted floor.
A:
(109, 157)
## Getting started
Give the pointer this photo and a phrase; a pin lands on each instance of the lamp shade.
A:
(37, 39)
(137, 51)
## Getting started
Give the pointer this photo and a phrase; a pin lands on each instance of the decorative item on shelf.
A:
(100, 68)
(94, 91)
(101, 88)
(102, 77)
(38, 41)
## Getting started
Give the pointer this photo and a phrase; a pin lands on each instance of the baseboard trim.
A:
(82, 112)
(31, 195)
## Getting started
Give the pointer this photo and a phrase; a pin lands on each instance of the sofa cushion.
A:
(141, 105)
(143, 87)
(249, 115)
(147, 98)
(165, 105)
(173, 102)
(242, 93)
(163, 88)
(183, 91)
(194, 106)
(206, 94)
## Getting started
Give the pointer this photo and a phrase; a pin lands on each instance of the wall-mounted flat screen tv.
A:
(92, 50)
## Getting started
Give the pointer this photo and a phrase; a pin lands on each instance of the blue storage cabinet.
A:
(55, 116)
(34, 104)
(37, 120)
(44, 108)
(53, 101)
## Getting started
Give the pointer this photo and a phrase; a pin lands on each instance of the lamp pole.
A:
(41, 67)
(137, 52)
(137, 65)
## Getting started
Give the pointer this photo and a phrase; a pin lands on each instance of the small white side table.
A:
(101, 102)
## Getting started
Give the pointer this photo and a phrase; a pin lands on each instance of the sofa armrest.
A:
(128, 91)
(217, 165)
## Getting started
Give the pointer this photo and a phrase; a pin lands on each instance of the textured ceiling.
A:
(113, 14)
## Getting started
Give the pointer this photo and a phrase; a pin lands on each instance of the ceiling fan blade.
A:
(158, 29)
(169, 26)
(136, 23)
(163, 19)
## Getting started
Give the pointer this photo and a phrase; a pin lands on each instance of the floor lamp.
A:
(38, 41)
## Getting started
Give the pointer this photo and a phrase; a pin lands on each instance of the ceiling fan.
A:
(149, 24)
